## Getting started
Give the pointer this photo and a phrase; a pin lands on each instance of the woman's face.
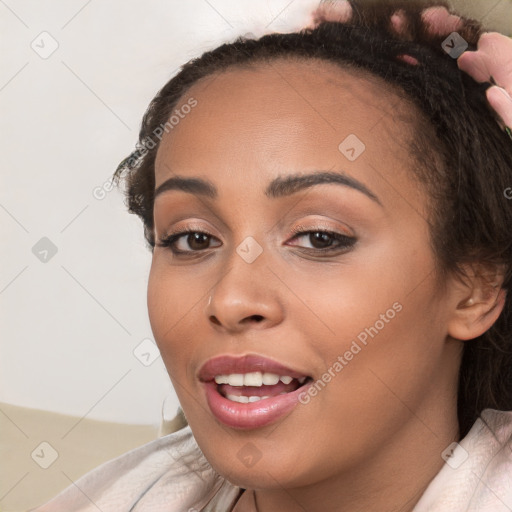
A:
(360, 315)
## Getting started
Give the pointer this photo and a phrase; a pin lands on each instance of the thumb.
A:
(501, 102)
(474, 64)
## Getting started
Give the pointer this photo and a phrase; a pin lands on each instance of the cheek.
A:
(387, 353)
(170, 308)
(381, 325)
(366, 290)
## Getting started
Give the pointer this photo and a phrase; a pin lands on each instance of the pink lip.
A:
(254, 414)
(251, 415)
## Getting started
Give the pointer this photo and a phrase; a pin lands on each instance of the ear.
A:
(478, 303)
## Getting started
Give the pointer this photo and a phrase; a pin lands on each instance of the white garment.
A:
(483, 482)
(171, 474)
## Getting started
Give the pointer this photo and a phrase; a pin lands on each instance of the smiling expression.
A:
(233, 172)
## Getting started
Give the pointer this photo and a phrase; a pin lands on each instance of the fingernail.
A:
(504, 92)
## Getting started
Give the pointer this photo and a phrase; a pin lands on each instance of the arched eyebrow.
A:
(281, 186)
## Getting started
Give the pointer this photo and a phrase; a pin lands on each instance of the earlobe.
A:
(476, 314)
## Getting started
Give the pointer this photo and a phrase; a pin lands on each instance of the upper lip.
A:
(228, 364)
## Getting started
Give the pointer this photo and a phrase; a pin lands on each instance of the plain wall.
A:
(69, 325)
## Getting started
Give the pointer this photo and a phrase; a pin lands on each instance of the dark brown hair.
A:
(462, 156)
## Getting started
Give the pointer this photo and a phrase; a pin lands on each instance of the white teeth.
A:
(236, 379)
(269, 379)
(240, 399)
(245, 399)
(255, 379)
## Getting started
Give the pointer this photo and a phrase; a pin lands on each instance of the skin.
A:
(373, 437)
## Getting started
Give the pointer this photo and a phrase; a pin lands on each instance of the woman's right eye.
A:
(196, 241)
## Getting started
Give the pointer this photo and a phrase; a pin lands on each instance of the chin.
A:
(259, 476)
(254, 461)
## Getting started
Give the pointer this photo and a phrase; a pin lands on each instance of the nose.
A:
(247, 296)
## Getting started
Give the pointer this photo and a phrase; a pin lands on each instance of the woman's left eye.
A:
(326, 241)
(321, 241)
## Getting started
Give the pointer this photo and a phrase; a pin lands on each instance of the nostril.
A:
(252, 318)
(214, 320)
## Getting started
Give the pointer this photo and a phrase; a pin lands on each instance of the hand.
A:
(491, 62)
(493, 58)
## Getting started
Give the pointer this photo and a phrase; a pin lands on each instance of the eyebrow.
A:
(281, 186)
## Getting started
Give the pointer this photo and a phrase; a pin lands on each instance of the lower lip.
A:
(253, 414)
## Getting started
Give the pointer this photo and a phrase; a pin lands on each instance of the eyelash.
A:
(345, 242)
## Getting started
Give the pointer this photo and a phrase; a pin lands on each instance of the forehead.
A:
(282, 113)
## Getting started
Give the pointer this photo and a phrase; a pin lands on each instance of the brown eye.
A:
(198, 241)
(322, 241)
(187, 241)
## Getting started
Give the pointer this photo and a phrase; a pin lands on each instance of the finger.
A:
(336, 11)
(475, 65)
(501, 102)
(398, 21)
(492, 42)
(400, 25)
(497, 51)
(439, 21)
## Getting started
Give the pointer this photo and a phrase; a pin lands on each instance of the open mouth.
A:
(255, 386)
(251, 391)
